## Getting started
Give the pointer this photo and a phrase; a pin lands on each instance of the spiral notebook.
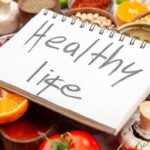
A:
(95, 76)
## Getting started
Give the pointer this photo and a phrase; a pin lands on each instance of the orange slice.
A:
(12, 106)
(128, 11)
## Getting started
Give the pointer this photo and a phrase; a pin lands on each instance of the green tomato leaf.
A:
(55, 145)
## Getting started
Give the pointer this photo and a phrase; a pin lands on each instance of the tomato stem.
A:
(63, 144)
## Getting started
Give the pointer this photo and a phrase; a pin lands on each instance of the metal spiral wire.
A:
(143, 45)
(74, 19)
(92, 27)
(64, 18)
(123, 36)
(101, 31)
(112, 33)
(133, 39)
(83, 23)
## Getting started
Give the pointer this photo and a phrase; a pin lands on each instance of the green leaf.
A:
(55, 145)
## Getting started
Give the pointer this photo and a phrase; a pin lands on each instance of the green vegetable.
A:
(120, 1)
(64, 3)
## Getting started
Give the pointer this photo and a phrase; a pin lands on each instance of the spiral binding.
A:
(102, 29)
(122, 37)
(144, 44)
(133, 39)
(112, 33)
(73, 21)
(64, 18)
(92, 27)
(83, 23)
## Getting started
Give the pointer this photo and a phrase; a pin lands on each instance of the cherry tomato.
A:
(81, 141)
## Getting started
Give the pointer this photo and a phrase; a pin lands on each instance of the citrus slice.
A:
(121, 1)
(128, 11)
(12, 106)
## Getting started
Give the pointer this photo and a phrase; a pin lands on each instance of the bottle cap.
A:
(145, 115)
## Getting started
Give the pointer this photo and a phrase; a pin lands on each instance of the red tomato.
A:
(81, 141)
